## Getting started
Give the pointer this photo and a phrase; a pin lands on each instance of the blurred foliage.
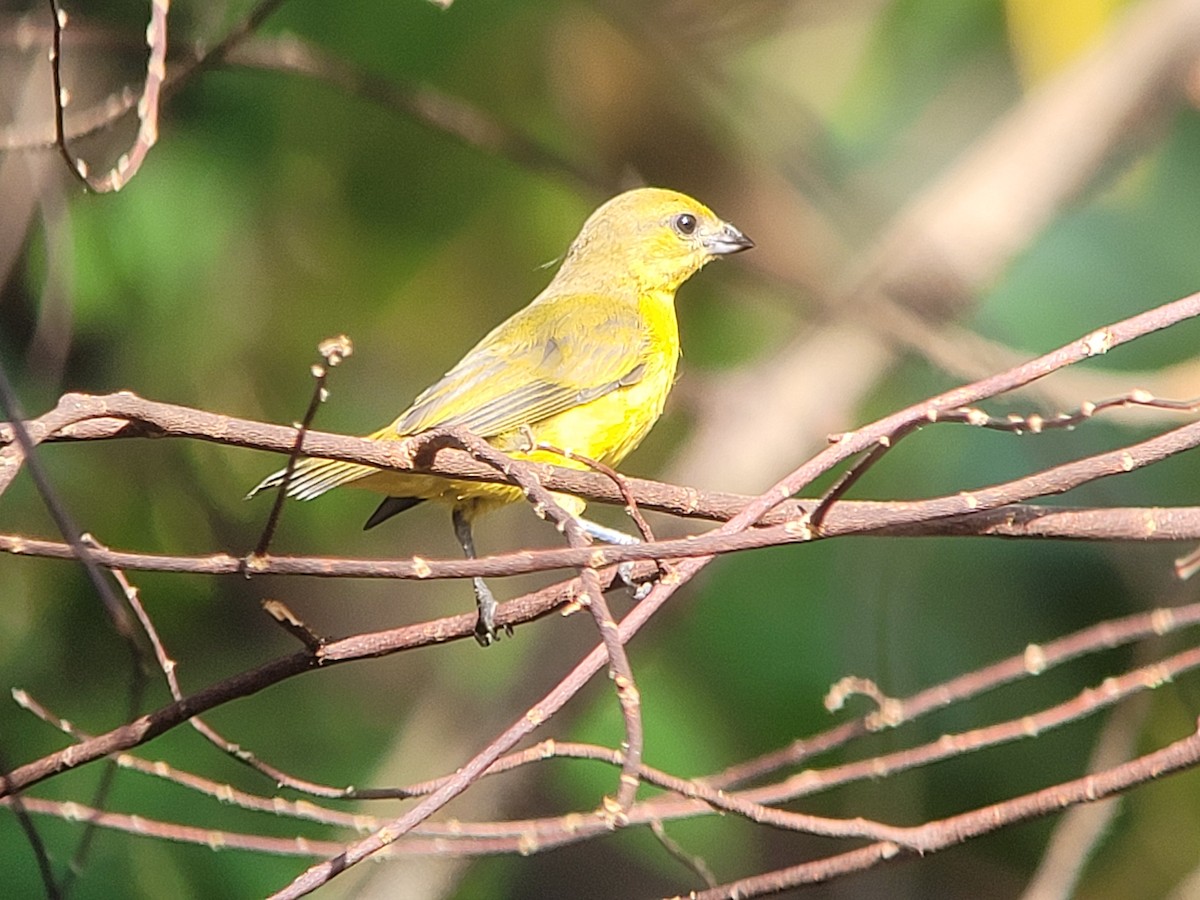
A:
(277, 210)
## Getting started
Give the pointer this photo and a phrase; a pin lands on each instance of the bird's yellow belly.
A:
(604, 429)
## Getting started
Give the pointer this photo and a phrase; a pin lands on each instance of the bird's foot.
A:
(485, 625)
(640, 588)
(621, 539)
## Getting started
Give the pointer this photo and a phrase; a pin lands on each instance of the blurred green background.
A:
(279, 209)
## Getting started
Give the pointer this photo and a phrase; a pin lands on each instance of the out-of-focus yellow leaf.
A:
(1045, 36)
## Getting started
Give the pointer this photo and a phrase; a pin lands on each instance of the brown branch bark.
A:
(1179, 756)
(147, 418)
(1141, 524)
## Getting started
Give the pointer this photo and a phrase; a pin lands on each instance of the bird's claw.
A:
(640, 588)
(485, 625)
(485, 629)
(486, 632)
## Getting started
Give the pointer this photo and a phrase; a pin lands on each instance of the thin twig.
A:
(939, 835)
(622, 485)
(20, 810)
(293, 625)
(695, 796)
(81, 549)
(333, 351)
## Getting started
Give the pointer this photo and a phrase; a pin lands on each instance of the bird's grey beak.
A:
(728, 240)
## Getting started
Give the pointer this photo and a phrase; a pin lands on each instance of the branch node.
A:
(293, 624)
(889, 714)
(1035, 659)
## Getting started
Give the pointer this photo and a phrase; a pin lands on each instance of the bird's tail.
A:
(313, 477)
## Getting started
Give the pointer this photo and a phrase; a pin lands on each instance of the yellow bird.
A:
(585, 367)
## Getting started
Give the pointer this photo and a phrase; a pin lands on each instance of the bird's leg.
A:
(621, 539)
(485, 625)
(606, 534)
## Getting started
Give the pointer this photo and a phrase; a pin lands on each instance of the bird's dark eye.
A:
(685, 223)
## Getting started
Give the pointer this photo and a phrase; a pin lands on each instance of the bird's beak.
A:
(727, 240)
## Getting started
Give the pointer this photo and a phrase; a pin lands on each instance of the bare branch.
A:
(939, 835)
(147, 104)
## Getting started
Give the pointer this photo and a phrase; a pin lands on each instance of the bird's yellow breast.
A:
(610, 426)
(606, 428)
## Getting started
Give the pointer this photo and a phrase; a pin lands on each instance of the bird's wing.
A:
(551, 356)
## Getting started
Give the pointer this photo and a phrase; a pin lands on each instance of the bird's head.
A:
(658, 237)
